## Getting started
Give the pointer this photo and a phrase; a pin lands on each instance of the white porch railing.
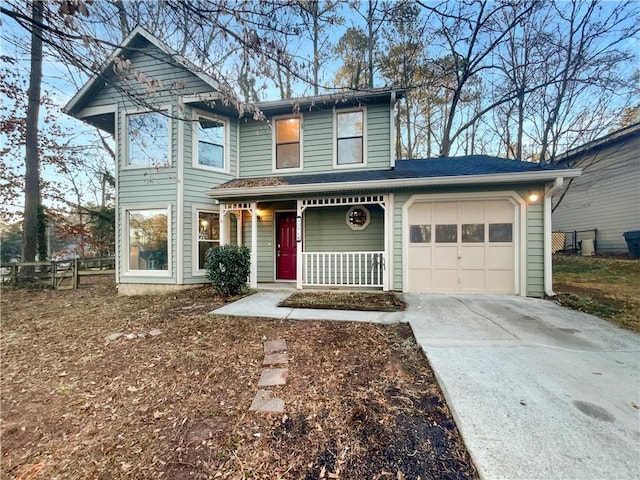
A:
(361, 269)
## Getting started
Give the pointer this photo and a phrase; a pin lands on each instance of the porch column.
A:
(223, 222)
(299, 251)
(253, 275)
(388, 229)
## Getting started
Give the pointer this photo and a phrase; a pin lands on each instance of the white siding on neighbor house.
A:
(606, 196)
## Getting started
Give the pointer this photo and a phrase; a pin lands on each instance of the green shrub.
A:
(228, 268)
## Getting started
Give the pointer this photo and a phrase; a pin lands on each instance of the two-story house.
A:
(310, 185)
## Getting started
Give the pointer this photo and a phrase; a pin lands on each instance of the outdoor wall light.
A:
(533, 197)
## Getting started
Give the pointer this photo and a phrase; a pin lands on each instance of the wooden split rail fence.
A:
(61, 274)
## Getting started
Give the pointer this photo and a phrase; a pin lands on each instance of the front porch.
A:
(320, 242)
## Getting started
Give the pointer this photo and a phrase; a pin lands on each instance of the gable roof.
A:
(619, 135)
(410, 173)
(133, 41)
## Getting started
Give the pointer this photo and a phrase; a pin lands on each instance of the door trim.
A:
(520, 232)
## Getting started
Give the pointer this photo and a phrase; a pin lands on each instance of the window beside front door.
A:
(287, 143)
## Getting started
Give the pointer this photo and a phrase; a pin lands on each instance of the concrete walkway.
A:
(537, 391)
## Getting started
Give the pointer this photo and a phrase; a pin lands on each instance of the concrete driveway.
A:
(538, 391)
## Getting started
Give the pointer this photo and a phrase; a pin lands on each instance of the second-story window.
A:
(287, 143)
(147, 139)
(211, 137)
(350, 137)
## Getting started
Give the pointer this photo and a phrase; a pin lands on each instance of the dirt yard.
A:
(361, 400)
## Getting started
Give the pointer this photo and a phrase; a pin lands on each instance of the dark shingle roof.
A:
(405, 169)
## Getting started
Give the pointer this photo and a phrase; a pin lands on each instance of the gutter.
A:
(550, 191)
(324, 188)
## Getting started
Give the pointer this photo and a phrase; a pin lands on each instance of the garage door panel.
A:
(420, 256)
(472, 212)
(500, 281)
(472, 257)
(421, 280)
(421, 213)
(472, 281)
(445, 256)
(500, 257)
(445, 280)
(445, 212)
(499, 211)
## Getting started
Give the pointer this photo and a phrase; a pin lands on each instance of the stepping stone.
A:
(272, 377)
(275, 359)
(275, 346)
(264, 402)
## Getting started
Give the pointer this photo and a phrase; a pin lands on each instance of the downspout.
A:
(550, 191)
(392, 130)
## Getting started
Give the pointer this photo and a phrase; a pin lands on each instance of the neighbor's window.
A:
(147, 139)
(500, 232)
(287, 142)
(148, 239)
(208, 235)
(211, 142)
(350, 137)
(420, 233)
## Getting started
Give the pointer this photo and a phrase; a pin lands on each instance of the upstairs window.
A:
(147, 139)
(350, 137)
(287, 143)
(210, 134)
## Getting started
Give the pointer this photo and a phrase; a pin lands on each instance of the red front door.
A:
(286, 246)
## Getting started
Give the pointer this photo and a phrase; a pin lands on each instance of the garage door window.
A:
(447, 233)
(420, 233)
(473, 233)
(500, 232)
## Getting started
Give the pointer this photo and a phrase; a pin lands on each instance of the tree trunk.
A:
(32, 157)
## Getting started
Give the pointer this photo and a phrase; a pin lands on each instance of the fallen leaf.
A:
(157, 414)
(635, 405)
(323, 471)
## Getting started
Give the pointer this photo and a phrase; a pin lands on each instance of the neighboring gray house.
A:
(606, 196)
(310, 185)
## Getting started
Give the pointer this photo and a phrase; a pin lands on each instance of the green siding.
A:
(399, 200)
(326, 230)
(317, 140)
(535, 249)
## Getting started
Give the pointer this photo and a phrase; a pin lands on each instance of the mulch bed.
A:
(360, 301)
(361, 400)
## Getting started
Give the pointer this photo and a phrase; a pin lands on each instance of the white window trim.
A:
(147, 273)
(194, 141)
(274, 168)
(195, 240)
(365, 143)
(125, 130)
(358, 227)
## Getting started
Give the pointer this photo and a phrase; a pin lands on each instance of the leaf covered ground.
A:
(340, 300)
(361, 400)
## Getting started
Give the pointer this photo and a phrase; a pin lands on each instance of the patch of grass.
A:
(606, 287)
(356, 301)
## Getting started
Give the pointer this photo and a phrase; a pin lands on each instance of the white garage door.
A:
(462, 246)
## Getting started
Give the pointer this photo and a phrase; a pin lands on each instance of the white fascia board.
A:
(496, 178)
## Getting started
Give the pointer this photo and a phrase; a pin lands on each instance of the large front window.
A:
(148, 232)
(350, 137)
(287, 139)
(211, 135)
(208, 234)
(147, 139)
